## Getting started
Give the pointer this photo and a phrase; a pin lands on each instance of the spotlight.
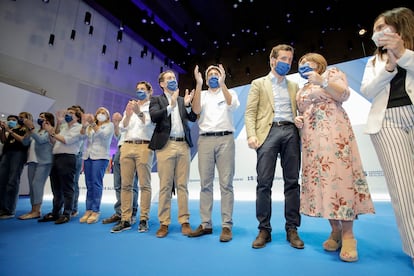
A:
(87, 19)
(51, 39)
(362, 32)
(129, 60)
(73, 34)
(45, 1)
(91, 30)
(121, 26)
(116, 65)
(103, 52)
(119, 36)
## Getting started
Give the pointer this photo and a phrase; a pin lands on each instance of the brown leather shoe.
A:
(226, 235)
(293, 237)
(112, 219)
(162, 231)
(200, 231)
(262, 238)
(185, 229)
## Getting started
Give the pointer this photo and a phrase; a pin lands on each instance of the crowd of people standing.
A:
(305, 127)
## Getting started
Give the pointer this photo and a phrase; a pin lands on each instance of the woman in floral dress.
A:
(333, 182)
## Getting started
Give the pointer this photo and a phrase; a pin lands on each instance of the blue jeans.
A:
(116, 169)
(11, 167)
(94, 174)
(37, 175)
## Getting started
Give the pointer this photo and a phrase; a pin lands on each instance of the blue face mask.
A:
(12, 124)
(68, 118)
(282, 68)
(20, 121)
(304, 69)
(40, 122)
(213, 82)
(172, 85)
(141, 95)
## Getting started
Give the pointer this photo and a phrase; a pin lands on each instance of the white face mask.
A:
(377, 35)
(101, 117)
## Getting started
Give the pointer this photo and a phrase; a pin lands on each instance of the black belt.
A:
(219, 133)
(137, 142)
(177, 139)
(281, 123)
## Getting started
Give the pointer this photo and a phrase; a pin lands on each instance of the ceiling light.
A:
(87, 19)
(73, 34)
(362, 32)
(51, 39)
(103, 51)
(90, 30)
(119, 36)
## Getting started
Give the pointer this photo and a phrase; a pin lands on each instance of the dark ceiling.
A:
(241, 33)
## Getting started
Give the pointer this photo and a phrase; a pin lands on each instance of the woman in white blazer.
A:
(388, 82)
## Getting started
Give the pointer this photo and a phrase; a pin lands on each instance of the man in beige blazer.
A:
(269, 117)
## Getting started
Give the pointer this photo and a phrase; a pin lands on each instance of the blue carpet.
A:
(32, 248)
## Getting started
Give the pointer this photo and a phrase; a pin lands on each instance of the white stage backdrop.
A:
(245, 177)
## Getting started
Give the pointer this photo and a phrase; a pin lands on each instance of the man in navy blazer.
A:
(171, 141)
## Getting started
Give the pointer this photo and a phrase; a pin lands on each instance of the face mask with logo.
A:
(304, 68)
(40, 122)
(213, 82)
(141, 95)
(172, 85)
(12, 124)
(282, 68)
(101, 117)
(377, 35)
(68, 118)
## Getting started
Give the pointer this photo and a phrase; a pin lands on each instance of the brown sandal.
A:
(334, 242)
(349, 251)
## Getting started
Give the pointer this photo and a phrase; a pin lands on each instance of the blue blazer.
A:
(159, 116)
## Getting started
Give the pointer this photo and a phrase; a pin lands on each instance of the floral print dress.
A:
(333, 181)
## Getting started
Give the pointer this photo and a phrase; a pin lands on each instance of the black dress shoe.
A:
(262, 238)
(62, 219)
(200, 231)
(294, 240)
(47, 217)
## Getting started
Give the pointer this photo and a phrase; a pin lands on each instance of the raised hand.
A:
(129, 109)
(222, 78)
(174, 97)
(188, 97)
(198, 76)
(116, 118)
(60, 115)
